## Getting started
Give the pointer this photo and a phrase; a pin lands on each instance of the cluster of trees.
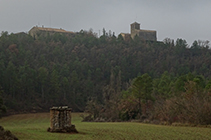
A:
(183, 99)
(73, 70)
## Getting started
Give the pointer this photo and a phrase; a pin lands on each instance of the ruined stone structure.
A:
(35, 32)
(60, 118)
(142, 34)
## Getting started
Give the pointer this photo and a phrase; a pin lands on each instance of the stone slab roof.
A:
(61, 108)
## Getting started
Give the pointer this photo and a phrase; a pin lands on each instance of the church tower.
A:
(134, 26)
(134, 29)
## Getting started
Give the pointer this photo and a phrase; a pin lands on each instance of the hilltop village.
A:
(149, 35)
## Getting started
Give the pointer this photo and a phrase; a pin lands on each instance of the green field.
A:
(34, 127)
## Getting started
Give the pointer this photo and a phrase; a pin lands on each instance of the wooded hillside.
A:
(61, 70)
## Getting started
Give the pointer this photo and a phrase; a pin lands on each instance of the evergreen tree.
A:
(142, 89)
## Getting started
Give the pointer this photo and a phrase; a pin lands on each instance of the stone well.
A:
(60, 119)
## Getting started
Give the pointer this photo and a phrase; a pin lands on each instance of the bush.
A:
(192, 107)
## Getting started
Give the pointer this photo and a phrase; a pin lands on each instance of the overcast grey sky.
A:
(187, 19)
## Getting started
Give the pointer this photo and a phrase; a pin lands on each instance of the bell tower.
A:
(134, 26)
(134, 29)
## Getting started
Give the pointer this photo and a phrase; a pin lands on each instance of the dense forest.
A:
(105, 75)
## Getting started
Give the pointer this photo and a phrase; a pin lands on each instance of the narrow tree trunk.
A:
(43, 94)
(74, 96)
(64, 95)
(139, 107)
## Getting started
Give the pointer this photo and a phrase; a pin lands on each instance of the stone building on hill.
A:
(36, 31)
(149, 35)
(142, 34)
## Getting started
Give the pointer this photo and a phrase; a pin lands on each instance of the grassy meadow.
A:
(34, 127)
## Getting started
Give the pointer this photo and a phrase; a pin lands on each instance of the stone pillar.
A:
(51, 118)
(69, 117)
